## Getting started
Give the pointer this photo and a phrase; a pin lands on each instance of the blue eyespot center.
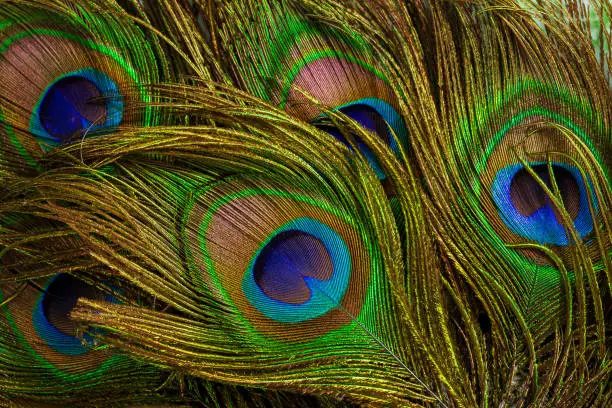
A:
(83, 102)
(301, 271)
(369, 119)
(51, 316)
(70, 106)
(376, 116)
(282, 265)
(528, 196)
(529, 212)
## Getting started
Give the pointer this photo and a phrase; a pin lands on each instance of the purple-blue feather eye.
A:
(85, 102)
(528, 211)
(69, 106)
(51, 314)
(376, 116)
(286, 260)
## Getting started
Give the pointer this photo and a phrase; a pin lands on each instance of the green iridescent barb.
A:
(305, 203)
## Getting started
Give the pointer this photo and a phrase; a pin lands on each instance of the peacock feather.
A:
(69, 73)
(46, 357)
(305, 203)
(307, 67)
(337, 296)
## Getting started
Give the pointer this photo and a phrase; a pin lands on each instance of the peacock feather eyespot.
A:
(287, 262)
(528, 211)
(253, 256)
(301, 272)
(313, 65)
(374, 115)
(62, 82)
(39, 319)
(51, 314)
(80, 103)
(538, 141)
